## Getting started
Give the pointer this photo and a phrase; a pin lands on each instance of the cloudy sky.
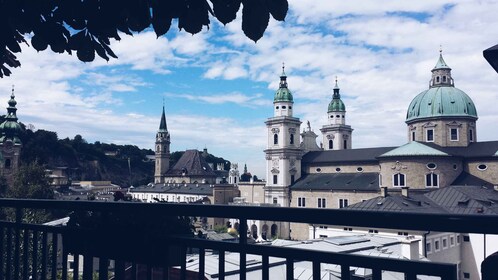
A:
(218, 85)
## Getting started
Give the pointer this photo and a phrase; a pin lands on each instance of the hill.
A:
(94, 161)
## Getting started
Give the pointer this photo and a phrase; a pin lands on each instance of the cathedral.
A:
(441, 150)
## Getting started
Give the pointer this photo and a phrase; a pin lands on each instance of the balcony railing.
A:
(33, 251)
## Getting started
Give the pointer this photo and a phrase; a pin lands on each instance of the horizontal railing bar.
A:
(476, 223)
(298, 254)
(34, 227)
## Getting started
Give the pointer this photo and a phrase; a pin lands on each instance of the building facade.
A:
(10, 143)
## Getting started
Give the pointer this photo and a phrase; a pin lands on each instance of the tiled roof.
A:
(349, 155)
(339, 181)
(192, 163)
(414, 148)
(452, 199)
(474, 150)
(194, 189)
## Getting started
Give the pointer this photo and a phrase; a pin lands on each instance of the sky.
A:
(218, 85)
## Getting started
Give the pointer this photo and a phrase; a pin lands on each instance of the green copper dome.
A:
(283, 94)
(442, 99)
(10, 128)
(336, 105)
(441, 102)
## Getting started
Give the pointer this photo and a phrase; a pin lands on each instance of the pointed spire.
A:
(11, 110)
(283, 77)
(162, 125)
(441, 64)
(336, 95)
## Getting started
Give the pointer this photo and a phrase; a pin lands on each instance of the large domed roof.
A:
(442, 99)
(441, 102)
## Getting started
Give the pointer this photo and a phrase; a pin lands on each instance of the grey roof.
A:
(349, 155)
(474, 150)
(452, 199)
(466, 179)
(191, 164)
(362, 181)
(181, 188)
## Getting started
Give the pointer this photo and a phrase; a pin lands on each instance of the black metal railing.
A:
(34, 251)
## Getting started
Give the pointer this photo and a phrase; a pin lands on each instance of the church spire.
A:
(336, 105)
(336, 95)
(283, 77)
(162, 125)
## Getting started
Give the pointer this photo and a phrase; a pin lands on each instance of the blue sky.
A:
(218, 85)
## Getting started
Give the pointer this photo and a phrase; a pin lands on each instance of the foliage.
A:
(86, 27)
(220, 228)
(31, 182)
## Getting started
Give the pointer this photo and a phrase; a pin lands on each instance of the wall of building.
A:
(345, 168)
(252, 192)
(332, 198)
(415, 170)
(490, 174)
(442, 131)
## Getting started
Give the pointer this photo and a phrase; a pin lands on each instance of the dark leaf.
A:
(226, 10)
(108, 49)
(278, 8)
(255, 18)
(195, 17)
(86, 54)
(4, 71)
(161, 17)
(76, 40)
(100, 50)
(139, 17)
(13, 45)
(38, 42)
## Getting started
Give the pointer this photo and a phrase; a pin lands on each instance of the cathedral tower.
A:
(283, 153)
(336, 134)
(10, 144)
(442, 114)
(162, 150)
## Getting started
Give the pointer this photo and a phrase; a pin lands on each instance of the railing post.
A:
(289, 265)
(489, 267)
(17, 243)
(2, 262)
(221, 265)
(25, 255)
(317, 271)
(243, 244)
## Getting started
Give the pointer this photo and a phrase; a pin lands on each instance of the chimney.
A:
(383, 191)
(409, 248)
(404, 191)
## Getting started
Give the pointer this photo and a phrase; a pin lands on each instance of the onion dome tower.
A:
(442, 114)
(336, 134)
(10, 143)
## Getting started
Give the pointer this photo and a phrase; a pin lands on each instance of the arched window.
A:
(292, 139)
(437, 79)
(275, 139)
(331, 144)
(345, 144)
(274, 229)
(432, 180)
(399, 180)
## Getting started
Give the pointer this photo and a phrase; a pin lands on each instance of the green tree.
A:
(31, 182)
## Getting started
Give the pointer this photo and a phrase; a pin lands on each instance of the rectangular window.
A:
(428, 247)
(436, 245)
(466, 275)
(343, 203)
(466, 238)
(452, 241)
(399, 180)
(275, 179)
(348, 229)
(458, 239)
(471, 135)
(445, 243)
(301, 202)
(454, 134)
(430, 135)
(432, 180)
(413, 135)
(345, 144)
(373, 231)
(292, 179)
(322, 203)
